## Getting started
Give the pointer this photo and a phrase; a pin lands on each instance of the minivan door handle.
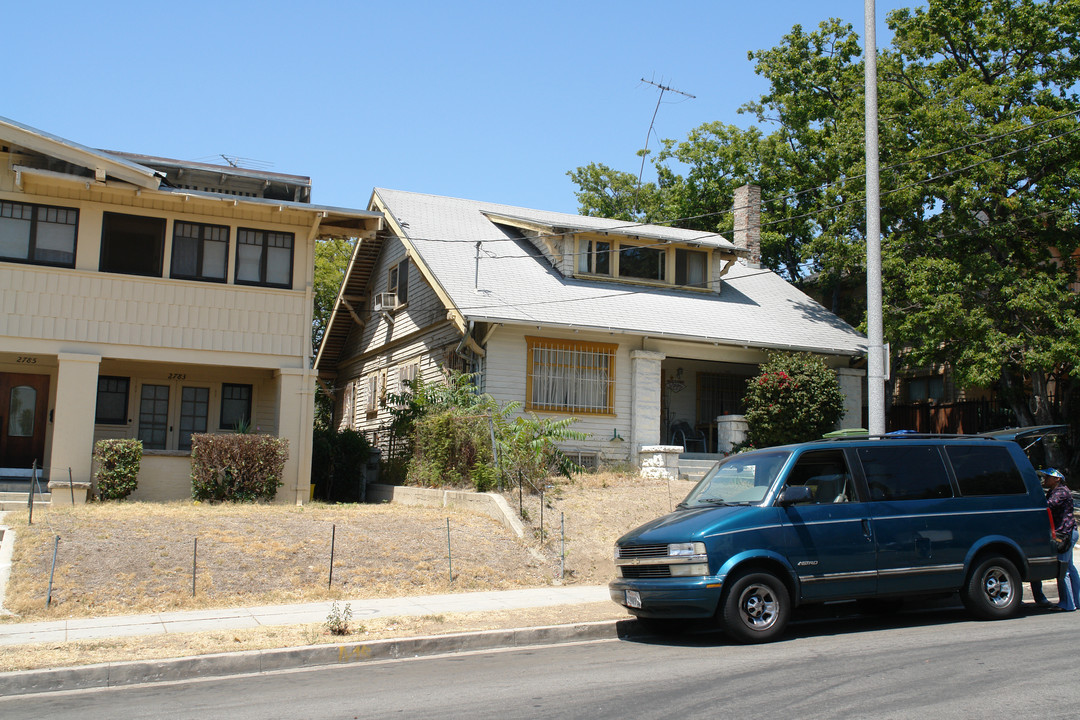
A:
(866, 529)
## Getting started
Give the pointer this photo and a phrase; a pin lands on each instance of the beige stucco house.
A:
(647, 334)
(150, 298)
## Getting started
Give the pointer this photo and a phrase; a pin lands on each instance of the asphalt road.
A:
(936, 664)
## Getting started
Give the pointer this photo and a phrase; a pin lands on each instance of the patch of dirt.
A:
(121, 558)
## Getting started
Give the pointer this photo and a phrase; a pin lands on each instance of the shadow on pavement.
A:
(831, 619)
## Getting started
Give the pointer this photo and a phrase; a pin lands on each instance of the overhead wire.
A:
(705, 236)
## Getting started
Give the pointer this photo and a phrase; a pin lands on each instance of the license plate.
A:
(633, 599)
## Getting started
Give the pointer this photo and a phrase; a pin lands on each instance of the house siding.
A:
(505, 380)
(76, 324)
(155, 314)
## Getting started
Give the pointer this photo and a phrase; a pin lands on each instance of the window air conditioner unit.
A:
(385, 301)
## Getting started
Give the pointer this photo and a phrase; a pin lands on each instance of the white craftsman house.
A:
(646, 334)
(152, 299)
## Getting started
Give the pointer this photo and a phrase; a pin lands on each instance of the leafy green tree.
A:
(794, 398)
(982, 277)
(979, 125)
(331, 261)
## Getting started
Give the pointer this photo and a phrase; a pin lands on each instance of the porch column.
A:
(644, 400)
(296, 415)
(851, 384)
(73, 417)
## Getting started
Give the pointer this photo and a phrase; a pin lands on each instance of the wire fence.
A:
(72, 561)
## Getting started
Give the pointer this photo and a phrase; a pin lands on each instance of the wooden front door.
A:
(24, 402)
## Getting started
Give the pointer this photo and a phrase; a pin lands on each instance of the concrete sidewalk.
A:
(113, 674)
(302, 614)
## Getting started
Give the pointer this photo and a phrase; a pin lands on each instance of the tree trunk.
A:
(1013, 393)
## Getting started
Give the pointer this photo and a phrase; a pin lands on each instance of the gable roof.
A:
(512, 283)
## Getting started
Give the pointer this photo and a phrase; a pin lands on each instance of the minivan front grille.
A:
(643, 551)
(646, 571)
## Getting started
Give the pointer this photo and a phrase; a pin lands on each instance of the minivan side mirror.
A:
(795, 494)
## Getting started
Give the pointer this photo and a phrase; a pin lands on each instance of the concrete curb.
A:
(117, 674)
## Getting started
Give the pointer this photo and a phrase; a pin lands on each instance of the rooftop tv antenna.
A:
(243, 163)
(663, 89)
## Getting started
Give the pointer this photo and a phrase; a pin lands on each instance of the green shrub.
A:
(117, 467)
(448, 430)
(447, 445)
(236, 468)
(795, 398)
(337, 462)
(484, 477)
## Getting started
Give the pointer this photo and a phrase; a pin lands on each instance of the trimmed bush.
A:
(795, 398)
(236, 468)
(117, 467)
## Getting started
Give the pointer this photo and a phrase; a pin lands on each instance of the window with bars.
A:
(200, 252)
(264, 258)
(570, 376)
(38, 234)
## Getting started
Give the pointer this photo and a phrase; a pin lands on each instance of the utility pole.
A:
(663, 89)
(875, 373)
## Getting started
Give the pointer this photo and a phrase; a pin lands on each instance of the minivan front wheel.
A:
(993, 591)
(756, 607)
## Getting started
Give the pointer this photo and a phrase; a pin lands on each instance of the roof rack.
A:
(907, 435)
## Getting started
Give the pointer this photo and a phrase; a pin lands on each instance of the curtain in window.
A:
(571, 376)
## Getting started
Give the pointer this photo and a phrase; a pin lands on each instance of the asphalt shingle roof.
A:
(514, 283)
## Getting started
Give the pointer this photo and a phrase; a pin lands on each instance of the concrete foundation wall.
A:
(487, 503)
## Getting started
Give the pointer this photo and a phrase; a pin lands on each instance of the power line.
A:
(817, 188)
(837, 206)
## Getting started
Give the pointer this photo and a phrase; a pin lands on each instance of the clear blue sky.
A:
(483, 100)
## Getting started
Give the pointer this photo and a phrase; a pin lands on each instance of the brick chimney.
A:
(747, 231)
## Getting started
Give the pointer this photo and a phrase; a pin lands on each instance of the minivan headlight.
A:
(689, 570)
(689, 548)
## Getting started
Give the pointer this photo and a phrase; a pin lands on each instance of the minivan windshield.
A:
(742, 479)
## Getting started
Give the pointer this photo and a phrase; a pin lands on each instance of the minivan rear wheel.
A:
(993, 591)
(755, 608)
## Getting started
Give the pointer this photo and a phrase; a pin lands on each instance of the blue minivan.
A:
(854, 518)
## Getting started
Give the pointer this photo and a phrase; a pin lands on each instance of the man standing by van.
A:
(1060, 500)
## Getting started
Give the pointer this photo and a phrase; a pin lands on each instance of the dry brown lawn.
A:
(122, 558)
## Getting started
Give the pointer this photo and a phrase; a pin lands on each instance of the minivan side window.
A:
(825, 472)
(985, 471)
(905, 472)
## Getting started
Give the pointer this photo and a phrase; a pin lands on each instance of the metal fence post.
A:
(194, 560)
(333, 536)
(449, 556)
(48, 597)
(30, 495)
(562, 551)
